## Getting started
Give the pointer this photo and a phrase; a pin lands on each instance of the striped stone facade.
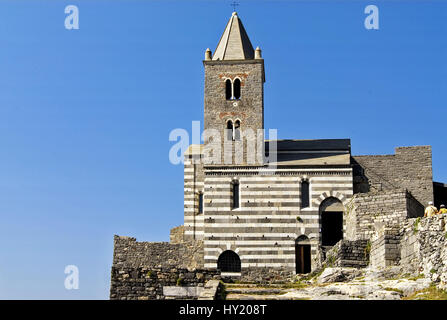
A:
(264, 229)
(193, 187)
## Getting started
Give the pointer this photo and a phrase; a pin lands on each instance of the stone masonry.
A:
(143, 270)
(389, 207)
(409, 168)
(347, 253)
(385, 249)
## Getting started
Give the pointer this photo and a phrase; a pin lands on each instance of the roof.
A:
(234, 43)
(302, 152)
(312, 145)
(311, 152)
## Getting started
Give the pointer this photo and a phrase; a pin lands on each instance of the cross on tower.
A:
(234, 5)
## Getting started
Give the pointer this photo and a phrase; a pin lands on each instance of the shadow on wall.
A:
(440, 192)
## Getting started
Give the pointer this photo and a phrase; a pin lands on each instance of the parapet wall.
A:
(419, 246)
(345, 253)
(409, 168)
(130, 253)
(141, 270)
(387, 207)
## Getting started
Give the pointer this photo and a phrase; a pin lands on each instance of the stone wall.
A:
(130, 253)
(347, 253)
(388, 207)
(177, 235)
(409, 246)
(150, 283)
(141, 269)
(409, 168)
(385, 246)
(267, 275)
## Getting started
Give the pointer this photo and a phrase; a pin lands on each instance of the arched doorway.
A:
(229, 261)
(302, 255)
(331, 215)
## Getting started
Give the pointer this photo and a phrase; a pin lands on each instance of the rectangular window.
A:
(305, 195)
(200, 203)
(235, 195)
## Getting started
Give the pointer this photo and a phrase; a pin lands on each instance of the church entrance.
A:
(331, 228)
(331, 219)
(302, 255)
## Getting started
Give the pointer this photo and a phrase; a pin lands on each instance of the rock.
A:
(338, 275)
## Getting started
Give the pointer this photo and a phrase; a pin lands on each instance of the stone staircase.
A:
(253, 292)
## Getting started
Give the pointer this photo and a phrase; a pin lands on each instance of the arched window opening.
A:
(228, 90)
(229, 261)
(237, 130)
(237, 89)
(235, 192)
(331, 213)
(229, 132)
(200, 203)
(305, 194)
(302, 255)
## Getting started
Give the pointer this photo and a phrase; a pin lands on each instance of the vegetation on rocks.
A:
(430, 293)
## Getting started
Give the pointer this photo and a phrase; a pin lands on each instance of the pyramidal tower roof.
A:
(234, 43)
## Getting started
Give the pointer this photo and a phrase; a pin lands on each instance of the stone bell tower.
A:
(234, 91)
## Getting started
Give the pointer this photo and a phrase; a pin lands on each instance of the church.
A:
(256, 207)
(287, 216)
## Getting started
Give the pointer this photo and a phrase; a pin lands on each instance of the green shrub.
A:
(367, 248)
(416, 224)
(419, 276)
(180, 282)
(330, 260)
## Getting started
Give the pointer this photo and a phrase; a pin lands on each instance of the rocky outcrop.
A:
(338, 284)
(432, 247)
(338, 275)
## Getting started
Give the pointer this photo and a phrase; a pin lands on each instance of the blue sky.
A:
(85, 114)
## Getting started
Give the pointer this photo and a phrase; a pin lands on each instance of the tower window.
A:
(200, 203)
(237, 89)
(237, 130)
(230, 130)
(305, 194)
(235, 195)
(228, 90)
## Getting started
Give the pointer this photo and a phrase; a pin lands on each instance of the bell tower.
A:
(234, 89)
